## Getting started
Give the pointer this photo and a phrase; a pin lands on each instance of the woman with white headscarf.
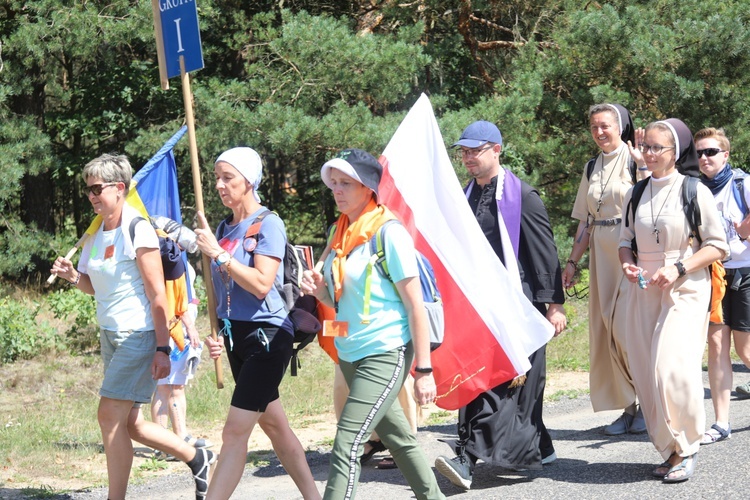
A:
(599, 208)
(668, 313)
(246, 270)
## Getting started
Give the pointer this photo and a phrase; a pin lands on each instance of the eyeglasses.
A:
(96, 189)
(655, 149)
(576, 292)
(709, 152)
(475, 152)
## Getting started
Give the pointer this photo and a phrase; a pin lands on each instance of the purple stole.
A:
(508, 197)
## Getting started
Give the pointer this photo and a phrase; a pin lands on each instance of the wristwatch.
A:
(165, 349)
(680, 268)
(222, 258)
(423, 370)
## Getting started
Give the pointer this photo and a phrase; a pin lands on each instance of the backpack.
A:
(689, 205)
(173, 267)
(592, 163)
(301, 308)
(430, 294)
(738, 190)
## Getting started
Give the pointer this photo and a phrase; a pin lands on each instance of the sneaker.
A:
(716, 434)
(198, 442)
(638, 426)
(743, 391)
(549, 458)
(456, 469)
(204, 473)
(165, 457)
(619, 426)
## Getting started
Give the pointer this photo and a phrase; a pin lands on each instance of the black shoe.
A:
(204, 472)
(456, 469)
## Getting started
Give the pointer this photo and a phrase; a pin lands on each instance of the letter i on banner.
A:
(178, 46)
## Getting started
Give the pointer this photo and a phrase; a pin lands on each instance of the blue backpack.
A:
(430, 294)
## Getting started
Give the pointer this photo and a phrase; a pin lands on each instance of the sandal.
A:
(687, 465)
(375, 447)
(716, 434)
(387, 463)
(661, 470)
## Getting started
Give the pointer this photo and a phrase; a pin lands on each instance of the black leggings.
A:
(258, 361)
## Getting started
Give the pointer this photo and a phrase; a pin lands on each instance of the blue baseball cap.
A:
(478, 134)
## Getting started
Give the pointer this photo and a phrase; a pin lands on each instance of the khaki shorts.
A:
(127, 358)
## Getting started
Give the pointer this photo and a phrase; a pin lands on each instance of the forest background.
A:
(300, 79)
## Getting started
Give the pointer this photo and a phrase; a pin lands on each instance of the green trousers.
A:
(374, 383)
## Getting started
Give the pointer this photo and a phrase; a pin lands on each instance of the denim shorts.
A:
(127, 358)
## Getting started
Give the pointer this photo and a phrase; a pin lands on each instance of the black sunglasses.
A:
(709, 152)
(96, 189)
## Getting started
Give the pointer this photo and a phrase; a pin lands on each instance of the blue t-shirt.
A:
(271, 242)
(388, 328)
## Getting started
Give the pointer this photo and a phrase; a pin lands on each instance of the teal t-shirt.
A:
(388, 328)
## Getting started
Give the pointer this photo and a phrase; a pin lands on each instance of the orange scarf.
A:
(349, 236)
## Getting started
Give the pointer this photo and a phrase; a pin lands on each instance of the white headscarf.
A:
(248, 164)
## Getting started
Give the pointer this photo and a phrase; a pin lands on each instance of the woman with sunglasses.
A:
(247, 273)
(599, 208)
(125, 276)
(668, 316)
(732, 201)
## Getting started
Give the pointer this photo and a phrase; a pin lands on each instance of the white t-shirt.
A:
(121, 301)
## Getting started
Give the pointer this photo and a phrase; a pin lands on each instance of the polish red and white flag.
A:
(491, 328)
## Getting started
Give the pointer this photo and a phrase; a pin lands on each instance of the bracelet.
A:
(574, 263)
(680, 269)
(423, 370)
(75, 281)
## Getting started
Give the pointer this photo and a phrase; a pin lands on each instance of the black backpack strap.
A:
(691, 207)
(635, 199)
(739, 195)
(134, 223)
(590, 167)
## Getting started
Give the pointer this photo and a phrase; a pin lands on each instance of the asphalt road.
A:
(589, 465)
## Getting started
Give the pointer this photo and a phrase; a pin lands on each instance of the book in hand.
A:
(305, 253)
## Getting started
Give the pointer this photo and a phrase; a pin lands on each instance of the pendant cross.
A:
(655, 232)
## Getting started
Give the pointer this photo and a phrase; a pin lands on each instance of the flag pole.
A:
(187, 97)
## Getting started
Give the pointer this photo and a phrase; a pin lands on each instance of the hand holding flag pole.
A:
(69, 255)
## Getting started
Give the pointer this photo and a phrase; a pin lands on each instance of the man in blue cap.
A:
(504, 426)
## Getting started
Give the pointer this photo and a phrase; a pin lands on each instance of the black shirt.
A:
(484, 206)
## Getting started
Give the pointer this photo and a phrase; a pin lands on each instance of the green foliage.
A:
(22, 336)
(300, 80)
(79, 309)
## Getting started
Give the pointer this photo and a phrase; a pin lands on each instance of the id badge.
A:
(333, 328)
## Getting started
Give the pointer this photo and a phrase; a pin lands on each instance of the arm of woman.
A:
(713, 247)
(410, 291)
(580, 244)
(149, 264)
(257, 279)
(64, 268)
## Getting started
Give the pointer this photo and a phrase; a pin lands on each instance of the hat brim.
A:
(343, 166)
(469, 143)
